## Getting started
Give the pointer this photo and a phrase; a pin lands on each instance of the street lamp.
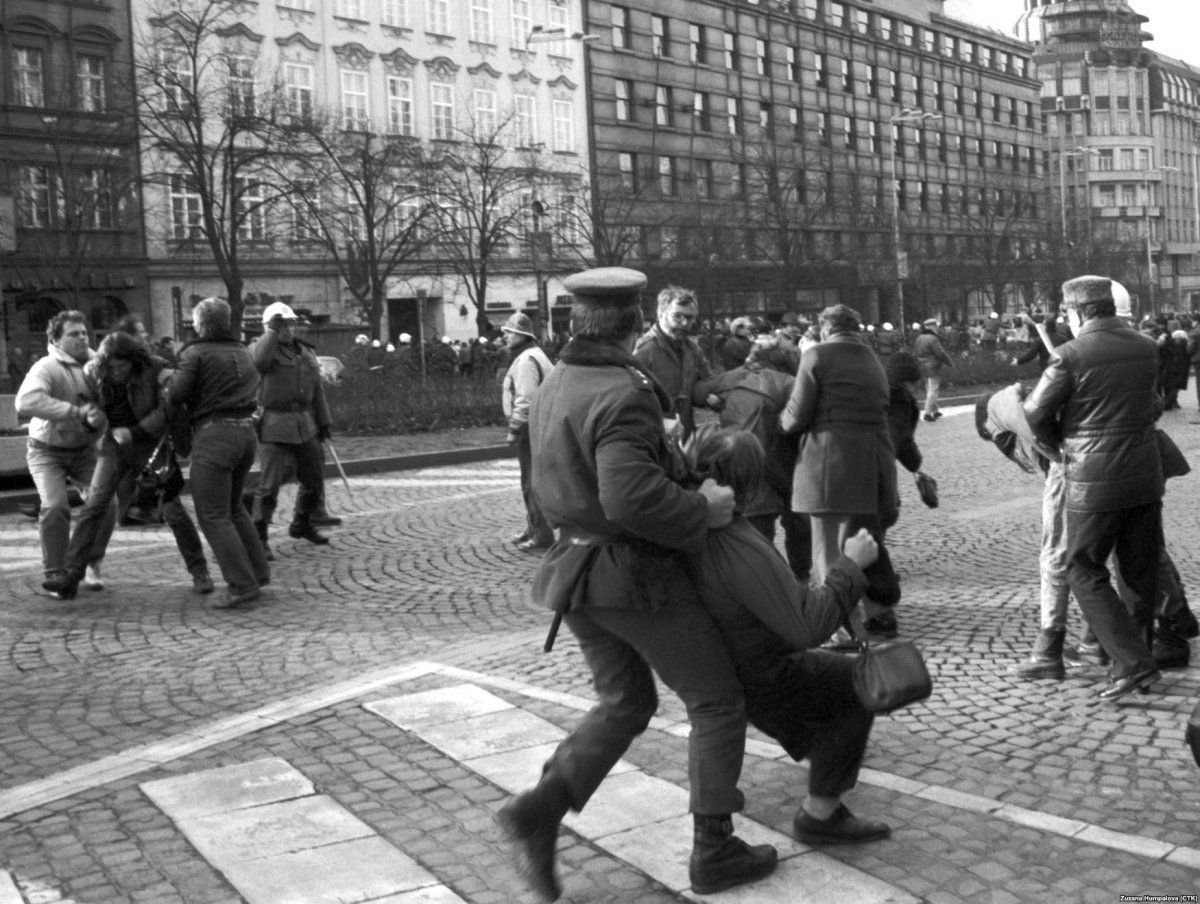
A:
(898, 121)
(1150, 280)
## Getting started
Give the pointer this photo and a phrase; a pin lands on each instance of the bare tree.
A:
(209, 131)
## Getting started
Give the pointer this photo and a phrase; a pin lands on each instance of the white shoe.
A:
(92, 579)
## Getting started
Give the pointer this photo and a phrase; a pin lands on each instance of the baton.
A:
(337, 461)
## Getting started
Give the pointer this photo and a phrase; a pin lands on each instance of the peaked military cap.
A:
(606, 285)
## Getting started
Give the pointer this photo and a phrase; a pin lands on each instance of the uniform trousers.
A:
(681, 643)
(276, 458)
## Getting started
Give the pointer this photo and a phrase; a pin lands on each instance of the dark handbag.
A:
(888, 675)
(1173, 462)
(927, 488)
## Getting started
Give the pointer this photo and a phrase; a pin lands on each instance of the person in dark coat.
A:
(1038, 349)
(1173, 365)
(617, 575)
(734, 350)
(933, 359)
(1096, 402)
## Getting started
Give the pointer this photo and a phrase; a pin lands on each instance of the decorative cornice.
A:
(484, 69)
(442, 67)
(239, 30)
(297, 38)
(399, 62)
(525, 76)
(563, 82)
(353, 55)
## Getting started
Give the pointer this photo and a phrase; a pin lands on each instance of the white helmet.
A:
(277, 309)
(405, 339)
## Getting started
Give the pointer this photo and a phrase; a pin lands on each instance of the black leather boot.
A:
(1170, 648)
(530, 822)
(302, 529)
(721, 860)
(1046, 660)
(261, 528)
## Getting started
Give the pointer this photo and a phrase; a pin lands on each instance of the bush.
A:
(977, 369)
(387, 403)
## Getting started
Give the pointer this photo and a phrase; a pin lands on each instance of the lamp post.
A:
(1150, 280)
(898, 121)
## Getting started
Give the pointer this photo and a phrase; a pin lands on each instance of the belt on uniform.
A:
(226, 421)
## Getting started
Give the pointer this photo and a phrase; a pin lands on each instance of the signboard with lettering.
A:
(1121, 34)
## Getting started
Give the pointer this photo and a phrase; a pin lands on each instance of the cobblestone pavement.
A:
(999, 791)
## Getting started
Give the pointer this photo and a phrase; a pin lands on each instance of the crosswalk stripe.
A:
(636, 817)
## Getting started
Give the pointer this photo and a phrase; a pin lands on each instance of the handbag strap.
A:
(860, 637)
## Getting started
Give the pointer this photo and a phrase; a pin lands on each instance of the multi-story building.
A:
(396, 72)
(1122, 131)
(786, 155)
(70, 219)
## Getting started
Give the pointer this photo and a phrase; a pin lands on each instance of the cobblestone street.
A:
(392, 684)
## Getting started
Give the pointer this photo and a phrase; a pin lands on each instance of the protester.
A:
(736, 347)
(525, 374)
(1113, 476)
(65, 423)
(603, 470)
(801, 697)
(217, 384)
(668, 351)
(295, 421)
(1039, 350)
(126, 381)
(927, 349)
(845, 476)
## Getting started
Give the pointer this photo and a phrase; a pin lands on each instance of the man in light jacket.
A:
(66, 422)
(521, 381)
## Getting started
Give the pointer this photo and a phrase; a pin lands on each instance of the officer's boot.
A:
(530, 822)
(301, 528)
(1046, 660)
(261, 528)
(721, 860)
(1170, 647)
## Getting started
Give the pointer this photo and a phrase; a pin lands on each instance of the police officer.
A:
(605, 477)
(295, 421)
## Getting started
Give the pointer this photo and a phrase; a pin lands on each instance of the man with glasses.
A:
(674, 358)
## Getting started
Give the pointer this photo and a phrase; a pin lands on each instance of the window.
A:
(702, 173)
(177, 79)
(766, 119)
(894, 85)
(908, 34)
(250, 212)
(395, 13)
(792, 60)
(660, 36)
(558, 20)
(564, 125)
(796, 123)
(871, 76)
(522, 21)
(620, 27)
(808, 8)
(664, 114)
(873, 138)
(697, 40)
(91, 83)
(733, 110)
(298, 89)
(354, 100)
(185, 209)
(95, 198)
(306, 206)
(29, 77)
(624, 96)
(481, 22)
(627, 167)
(702, 112)
(486, 114)
(949, 46)
(737, 180)
(819, 69)
(835, 13)
(823, 127)
(886, 26)
(847, 77)
(441, 108)
(862, 21)
(849, 134)
(437, 16)
(731, 52)
(762, 59)
(524, 120)
(966, 51)
(400, 105)
(241, 86)
(351, 9)
(33, 198)
(666, 176)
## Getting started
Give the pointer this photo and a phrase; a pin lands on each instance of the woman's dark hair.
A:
(733, 458)
(781, 356)
(129, 324)
(123, 347)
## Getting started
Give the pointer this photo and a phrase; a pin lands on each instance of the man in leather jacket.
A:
(1096, 403)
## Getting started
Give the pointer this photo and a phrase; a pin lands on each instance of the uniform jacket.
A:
(680, 368)
(927, 349)
(521, 381)
(1096, 400)
(144, 391)
(291, 394)
(52, 394)
(215, 378)
(754, 397)
(839, 404)
(604, 474)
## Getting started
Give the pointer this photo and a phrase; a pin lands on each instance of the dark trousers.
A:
(537, 527)
(1135, 534)
(797, 539)
(681, 643)
(812, 711)
(309, 462)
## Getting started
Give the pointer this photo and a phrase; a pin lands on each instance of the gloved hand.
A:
(324, 434)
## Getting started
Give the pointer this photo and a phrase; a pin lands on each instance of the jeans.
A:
(50, 469)
(1135, 534)
(278, 459)
(222, 454)
(114, 464)
(535, 522)
(682, 644)
(933, 389)
(1055, 592)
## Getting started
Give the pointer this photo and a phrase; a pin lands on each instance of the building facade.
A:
(782, 156)
(70, 215)
(1122, 129)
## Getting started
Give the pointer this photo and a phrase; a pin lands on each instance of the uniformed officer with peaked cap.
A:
(604, 475)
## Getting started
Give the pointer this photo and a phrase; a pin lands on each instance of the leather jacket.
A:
(1096, 401)
(215, 378)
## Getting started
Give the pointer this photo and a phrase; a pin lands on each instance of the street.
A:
(350, 736)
